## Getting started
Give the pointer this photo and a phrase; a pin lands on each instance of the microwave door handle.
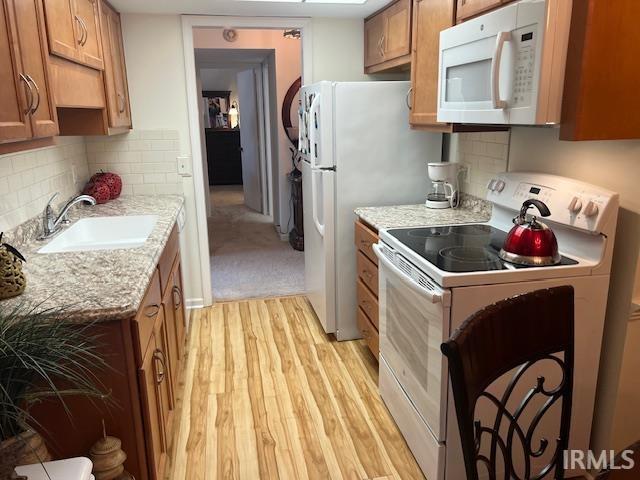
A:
(433, 297)
(496, 61)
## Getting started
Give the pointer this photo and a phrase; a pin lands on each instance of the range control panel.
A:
(571, 202)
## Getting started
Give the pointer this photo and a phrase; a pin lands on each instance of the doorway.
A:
(242, 86)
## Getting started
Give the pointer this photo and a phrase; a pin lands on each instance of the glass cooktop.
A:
(460, 248)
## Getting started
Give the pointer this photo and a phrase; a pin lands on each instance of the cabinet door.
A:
(88, 13)
(430, 17)
(471, 8)
(114, 69)
(172, 337)
(151, 379)
(15, 94)
(178, 306)
(44, 120)
(63, 28)
(397, 38)
(374, 28)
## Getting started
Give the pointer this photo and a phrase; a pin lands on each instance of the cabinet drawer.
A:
(368, 273)
(369, 333)
(148, 312)
(365, 238)
(167, 258)
(368, 303)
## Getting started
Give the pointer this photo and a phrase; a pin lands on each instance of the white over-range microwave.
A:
(506, 66)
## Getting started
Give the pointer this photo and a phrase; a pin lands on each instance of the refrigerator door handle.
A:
(312, 127)
(314, 202)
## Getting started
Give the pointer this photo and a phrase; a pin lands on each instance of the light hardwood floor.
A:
(268, 395)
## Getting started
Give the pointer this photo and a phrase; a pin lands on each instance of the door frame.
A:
(263, 93)
(189, 23)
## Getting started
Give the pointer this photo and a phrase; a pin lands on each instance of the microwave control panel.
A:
(524, 40)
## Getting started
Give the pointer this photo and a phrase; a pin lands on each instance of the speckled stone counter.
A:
(471, 210)
(95, 285)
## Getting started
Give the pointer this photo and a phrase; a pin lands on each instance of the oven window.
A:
(413, 333)
(469, 82)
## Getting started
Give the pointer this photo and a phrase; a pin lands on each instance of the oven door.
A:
(414, 321)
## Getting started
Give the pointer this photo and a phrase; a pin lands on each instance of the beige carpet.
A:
(248, 259)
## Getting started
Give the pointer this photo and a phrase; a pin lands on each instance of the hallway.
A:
(248, 259)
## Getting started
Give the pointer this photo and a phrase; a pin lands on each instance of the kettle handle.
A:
(532, 202)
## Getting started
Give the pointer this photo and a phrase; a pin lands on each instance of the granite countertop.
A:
(98, 285)
(471, 210)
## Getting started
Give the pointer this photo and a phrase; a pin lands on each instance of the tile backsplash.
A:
(484, 154)
(29, 179)
(145, 159)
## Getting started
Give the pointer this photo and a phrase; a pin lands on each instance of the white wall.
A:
(157, 92)
(221, 79)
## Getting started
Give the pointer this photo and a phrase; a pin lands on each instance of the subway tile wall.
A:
(29, 179)
(484, 154)
(145, 159)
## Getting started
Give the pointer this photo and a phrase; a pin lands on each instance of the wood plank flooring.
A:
(267, 395)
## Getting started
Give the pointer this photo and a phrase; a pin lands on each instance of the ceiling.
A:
(249, 8)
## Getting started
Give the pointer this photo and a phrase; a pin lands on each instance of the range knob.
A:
(591, 210)
(500, 185)
(576, 205)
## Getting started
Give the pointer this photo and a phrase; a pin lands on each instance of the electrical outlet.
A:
(74, 174)
(464, 173)
(184, 165)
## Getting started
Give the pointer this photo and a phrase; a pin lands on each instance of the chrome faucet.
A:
(51, 222)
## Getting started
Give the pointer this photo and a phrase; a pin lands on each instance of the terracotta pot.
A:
(23, 449)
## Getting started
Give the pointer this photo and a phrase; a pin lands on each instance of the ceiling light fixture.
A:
(293, 33)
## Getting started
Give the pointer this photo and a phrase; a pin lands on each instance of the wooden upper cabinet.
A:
(26, 105)
(398, 32)
(373, 40)
(387, 38)
(601, 100)
(430, 18)
(115, 72)
(73, 28)
(33, 48)
(470, 8)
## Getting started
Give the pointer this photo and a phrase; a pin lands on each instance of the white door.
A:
(250, 139)
(318, 190)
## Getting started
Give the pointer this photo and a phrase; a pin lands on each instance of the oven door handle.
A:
(432, 296)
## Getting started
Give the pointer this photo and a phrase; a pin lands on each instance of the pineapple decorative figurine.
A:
(12, 279)
(108, 458)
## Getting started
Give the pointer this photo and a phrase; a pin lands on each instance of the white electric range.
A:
(431, 279)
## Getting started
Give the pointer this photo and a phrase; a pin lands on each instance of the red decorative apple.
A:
(113, 181)
(100, 191)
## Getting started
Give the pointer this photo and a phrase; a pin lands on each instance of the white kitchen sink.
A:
(103, 233)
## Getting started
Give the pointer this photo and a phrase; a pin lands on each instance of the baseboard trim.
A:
(192, 303)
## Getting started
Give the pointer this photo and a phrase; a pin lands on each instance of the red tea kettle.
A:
(531, 242)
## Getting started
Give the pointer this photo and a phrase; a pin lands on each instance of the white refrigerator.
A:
(358, 150)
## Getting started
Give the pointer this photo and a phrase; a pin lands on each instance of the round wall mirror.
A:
(290, 118)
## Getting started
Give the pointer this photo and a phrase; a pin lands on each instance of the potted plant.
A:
(42, 355)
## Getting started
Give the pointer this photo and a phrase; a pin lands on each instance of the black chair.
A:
(516, 333)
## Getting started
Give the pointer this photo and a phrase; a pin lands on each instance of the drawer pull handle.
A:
(152, 310)
(367, 274)
(177, 297)
(158, 356)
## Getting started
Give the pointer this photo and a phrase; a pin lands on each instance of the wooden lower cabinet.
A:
(145, 355)
(367, 285)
